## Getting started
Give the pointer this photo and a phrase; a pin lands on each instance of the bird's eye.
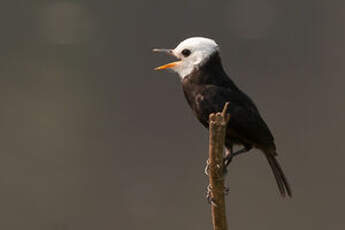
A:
(186, 52)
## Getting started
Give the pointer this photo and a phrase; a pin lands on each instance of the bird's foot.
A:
(207, 167)
(209, 196)
(229, 156)
(227, 161)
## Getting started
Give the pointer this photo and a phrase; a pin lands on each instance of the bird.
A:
(207, 88)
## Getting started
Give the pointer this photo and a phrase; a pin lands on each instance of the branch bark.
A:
(217, 130)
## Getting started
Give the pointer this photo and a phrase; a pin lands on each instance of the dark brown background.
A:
(92, 138)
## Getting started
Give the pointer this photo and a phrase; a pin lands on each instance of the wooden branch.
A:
(217, 129)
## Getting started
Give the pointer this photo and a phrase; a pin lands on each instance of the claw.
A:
(209, 197)
(207, 167)
(211, 201)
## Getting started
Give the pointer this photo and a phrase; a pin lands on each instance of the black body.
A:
(208, 88)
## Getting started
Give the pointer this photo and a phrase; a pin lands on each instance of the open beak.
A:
(169, 65)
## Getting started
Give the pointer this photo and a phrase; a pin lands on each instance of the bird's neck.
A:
(211, 73)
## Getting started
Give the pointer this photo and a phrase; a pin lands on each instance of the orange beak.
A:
(169, 65)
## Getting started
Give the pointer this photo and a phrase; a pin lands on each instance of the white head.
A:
(192, 52)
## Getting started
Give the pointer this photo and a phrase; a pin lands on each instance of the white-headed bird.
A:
(207, 88)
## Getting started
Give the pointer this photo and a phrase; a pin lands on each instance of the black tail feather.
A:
(278, 173)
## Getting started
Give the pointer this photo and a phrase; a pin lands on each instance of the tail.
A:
(278, 173)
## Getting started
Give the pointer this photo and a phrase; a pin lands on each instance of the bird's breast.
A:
(199, 102)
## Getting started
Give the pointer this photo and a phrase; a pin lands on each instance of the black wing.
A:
(245, 122)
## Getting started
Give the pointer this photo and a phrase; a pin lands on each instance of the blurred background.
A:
(93, 138)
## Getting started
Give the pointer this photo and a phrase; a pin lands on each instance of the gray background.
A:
(92, 138)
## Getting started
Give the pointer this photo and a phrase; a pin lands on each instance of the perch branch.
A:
(217, 129)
